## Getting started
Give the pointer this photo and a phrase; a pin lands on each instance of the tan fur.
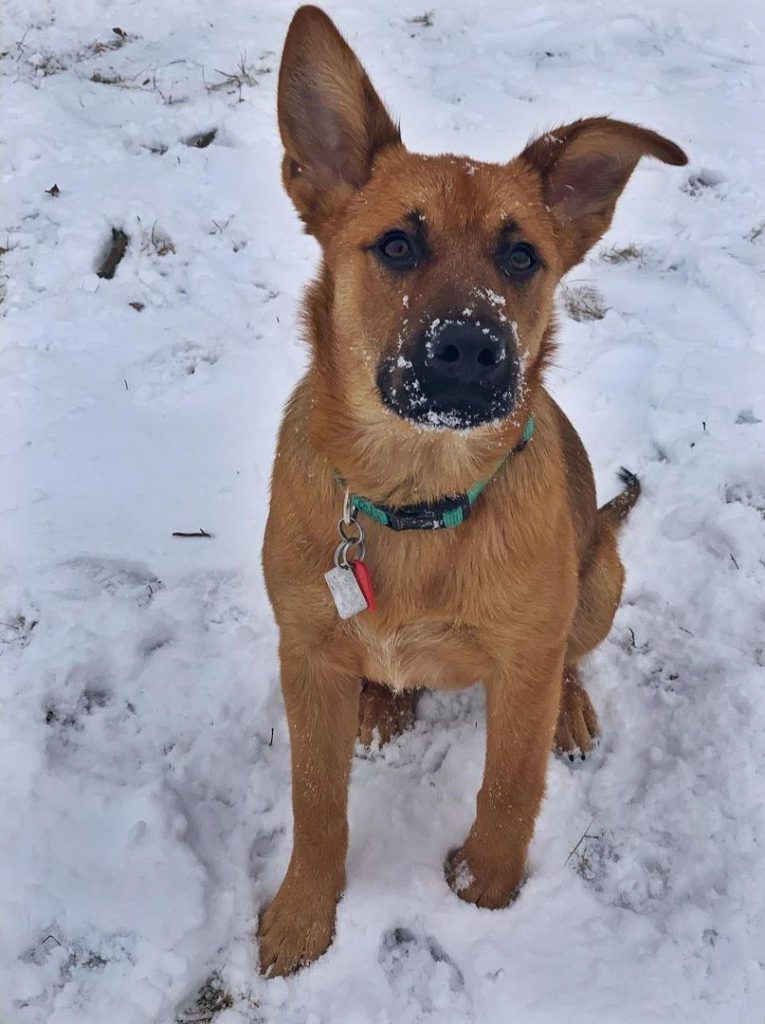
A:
(518, 594)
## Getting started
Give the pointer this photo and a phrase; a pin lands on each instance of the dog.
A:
(471, 546)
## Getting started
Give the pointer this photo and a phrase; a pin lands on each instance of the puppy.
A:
(471, 545)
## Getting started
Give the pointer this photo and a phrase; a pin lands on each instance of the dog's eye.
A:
(519, 261)
(396, 250)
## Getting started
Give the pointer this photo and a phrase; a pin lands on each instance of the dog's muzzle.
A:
(458, 374)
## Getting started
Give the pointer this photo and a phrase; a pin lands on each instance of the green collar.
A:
(445, 513)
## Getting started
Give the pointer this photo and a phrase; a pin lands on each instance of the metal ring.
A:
(341, 553)
(349, 509)
(342, 527)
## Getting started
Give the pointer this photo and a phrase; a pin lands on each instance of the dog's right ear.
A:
(331, 120)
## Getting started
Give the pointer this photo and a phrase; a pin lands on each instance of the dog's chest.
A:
(439, 655)
(419, 634)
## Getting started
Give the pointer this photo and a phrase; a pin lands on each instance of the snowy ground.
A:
(144, 747)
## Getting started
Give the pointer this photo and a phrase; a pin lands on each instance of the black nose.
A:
(466, 354)
(454, 374)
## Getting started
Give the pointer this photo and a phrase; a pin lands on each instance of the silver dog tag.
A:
(346, 593)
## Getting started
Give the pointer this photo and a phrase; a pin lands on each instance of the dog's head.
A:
(435, 301)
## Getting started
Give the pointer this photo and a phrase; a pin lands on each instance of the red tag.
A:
(364, 580)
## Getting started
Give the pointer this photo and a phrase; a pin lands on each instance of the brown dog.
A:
(431, 323)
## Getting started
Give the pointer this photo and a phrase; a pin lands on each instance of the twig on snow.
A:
(585, 835)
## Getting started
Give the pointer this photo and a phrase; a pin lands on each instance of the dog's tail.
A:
(617, 509)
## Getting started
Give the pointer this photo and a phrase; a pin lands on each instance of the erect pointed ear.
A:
(584, 167)
(331, 120)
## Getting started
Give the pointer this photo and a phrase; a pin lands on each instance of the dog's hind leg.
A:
(385, 713)
(577, 727)
(600, 590)
(601, 581)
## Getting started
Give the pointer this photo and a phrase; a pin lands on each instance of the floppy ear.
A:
(331, 120)
(584, 167)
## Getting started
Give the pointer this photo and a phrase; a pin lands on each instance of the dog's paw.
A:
(476, 880)
(294, 930)
(384, 713)
(577, 729)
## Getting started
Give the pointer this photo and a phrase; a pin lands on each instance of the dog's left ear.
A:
(331, 120)
(584, 167)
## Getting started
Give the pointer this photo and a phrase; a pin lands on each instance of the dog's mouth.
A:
(459, 376)
(450, 410)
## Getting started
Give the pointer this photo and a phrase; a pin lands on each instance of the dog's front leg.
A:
(521, 712)
(322, 704)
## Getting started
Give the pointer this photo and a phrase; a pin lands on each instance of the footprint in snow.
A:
(117, 577)
(420, 971)
(702, 181)
(748, 417)
(173, 366)
(16, 629)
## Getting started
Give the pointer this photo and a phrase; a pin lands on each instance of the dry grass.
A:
(155, 240)
(245, 74)
(623, 254)
(35, 65)
(43, 65)
(141, 81)
(219, 227)
(583, 302)
(425, 20)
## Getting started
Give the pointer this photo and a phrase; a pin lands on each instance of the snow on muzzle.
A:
(455, 374)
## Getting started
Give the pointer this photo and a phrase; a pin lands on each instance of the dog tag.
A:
(363, 576)
(347, 594)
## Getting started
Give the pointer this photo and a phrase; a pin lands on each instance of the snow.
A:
(144, 748)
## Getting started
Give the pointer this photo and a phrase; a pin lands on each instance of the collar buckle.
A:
(449, 511)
